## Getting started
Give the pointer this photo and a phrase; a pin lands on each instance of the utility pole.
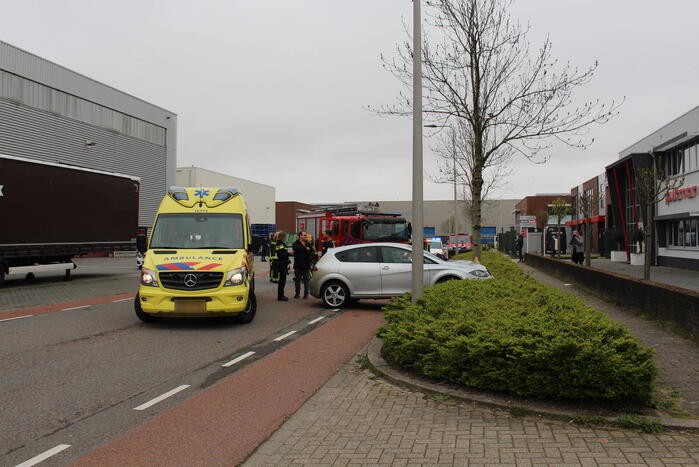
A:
(418, 229)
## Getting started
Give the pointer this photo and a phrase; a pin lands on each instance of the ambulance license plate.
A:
(190, 306)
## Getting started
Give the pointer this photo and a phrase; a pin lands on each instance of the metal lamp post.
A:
(417, 234)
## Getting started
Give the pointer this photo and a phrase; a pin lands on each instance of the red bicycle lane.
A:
(224, 424)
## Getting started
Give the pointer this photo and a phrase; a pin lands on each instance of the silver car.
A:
(380, 270)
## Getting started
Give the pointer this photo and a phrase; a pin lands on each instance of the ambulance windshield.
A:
(198, 231)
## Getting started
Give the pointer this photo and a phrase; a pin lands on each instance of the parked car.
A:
(380, 270)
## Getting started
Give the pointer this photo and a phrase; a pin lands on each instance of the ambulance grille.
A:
(190, 280)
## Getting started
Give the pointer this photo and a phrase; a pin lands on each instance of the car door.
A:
(361, 268)
(396, 270)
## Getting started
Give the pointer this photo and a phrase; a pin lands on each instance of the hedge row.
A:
(516, 335)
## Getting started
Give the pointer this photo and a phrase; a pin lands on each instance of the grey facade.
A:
(53, 114)
(673, 148)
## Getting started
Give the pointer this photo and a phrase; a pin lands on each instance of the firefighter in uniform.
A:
(273, 275)
(282, 265)
(327, 243)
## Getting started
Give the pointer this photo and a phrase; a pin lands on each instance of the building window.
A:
(683, 233)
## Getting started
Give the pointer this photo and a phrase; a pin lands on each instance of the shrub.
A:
(515, 335)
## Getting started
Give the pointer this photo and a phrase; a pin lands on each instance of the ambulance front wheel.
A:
(250, 310)
(143, 316)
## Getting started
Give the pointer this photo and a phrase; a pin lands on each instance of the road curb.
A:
(416, 383)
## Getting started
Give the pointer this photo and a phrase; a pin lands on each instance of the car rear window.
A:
(358, 255)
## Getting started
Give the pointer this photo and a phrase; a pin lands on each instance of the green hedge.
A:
(516, 335)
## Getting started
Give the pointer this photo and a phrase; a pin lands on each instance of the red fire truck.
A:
(347, 226)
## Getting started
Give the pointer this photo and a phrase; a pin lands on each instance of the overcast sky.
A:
(276, 91)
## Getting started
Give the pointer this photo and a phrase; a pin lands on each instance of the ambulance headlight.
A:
(235, 277)
(149, 278)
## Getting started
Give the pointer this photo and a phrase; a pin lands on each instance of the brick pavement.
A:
(358, 419)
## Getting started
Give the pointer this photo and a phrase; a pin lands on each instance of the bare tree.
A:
(653, 186)
(559, 208)
(504, 99)
(587, 201)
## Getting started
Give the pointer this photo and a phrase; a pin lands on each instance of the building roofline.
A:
(659, 129)
(84, 76)
(224, 175)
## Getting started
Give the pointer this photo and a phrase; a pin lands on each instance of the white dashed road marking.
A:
(44, 456)
(16, 317)
(316, 320)
(284, 336)
(567, 285)
(238, 359)
(122, 300)
(75, 308)
(161, 398)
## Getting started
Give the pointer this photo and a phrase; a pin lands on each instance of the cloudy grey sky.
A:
(275, 91)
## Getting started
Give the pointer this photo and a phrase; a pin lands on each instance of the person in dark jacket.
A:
(264, 251)
(520, 244)
(303, 260)
(578, 254)
(273, 276)
(282, 265)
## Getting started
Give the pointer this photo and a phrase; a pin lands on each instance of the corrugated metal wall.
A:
(38, 134)
(19, 89)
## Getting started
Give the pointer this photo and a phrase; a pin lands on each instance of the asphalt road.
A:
(75, 377)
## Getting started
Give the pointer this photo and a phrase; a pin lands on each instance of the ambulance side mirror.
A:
(255, 244)
(141, 244)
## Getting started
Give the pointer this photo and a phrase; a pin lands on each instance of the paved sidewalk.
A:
(357, 419)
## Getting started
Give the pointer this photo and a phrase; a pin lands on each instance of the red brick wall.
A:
(286, 214)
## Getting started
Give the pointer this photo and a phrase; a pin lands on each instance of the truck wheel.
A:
(2, 274)
(334, 294)
(143, 316)
(249, 314)
(67, 276)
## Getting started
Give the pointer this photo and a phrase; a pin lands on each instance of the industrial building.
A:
(674, 149)
(260, 198)
(53, 114)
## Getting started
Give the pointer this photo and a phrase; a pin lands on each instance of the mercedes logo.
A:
(190, 280)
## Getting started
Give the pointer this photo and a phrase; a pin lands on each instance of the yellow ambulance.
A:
(199, 259)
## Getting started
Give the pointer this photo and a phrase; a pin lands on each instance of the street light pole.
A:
(417, 234)
(456, 208)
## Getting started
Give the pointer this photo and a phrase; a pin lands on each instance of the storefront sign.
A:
(527, 222)
(682, 193)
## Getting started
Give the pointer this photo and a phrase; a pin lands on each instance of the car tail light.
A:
(314, 269)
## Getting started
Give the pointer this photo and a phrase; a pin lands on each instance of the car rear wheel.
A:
(249, 314)
(335, 294)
